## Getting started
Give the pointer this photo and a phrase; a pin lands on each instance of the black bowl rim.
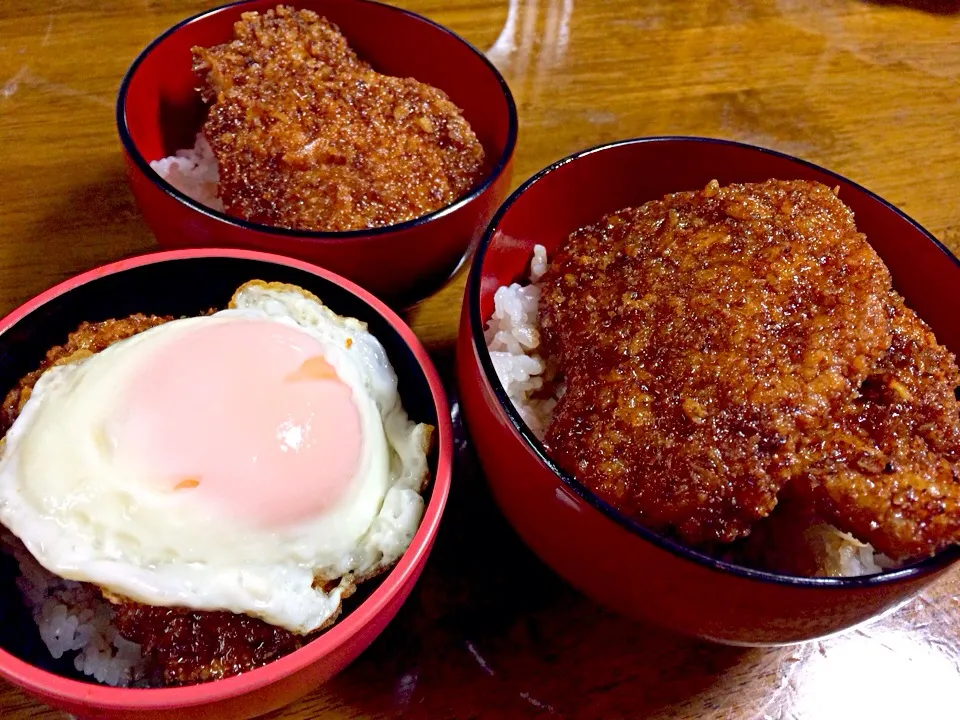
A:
(144, 167)
(472, 298)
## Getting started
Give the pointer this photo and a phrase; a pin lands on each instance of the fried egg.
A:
(257, 460)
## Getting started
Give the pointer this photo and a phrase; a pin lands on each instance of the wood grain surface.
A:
(870, 89)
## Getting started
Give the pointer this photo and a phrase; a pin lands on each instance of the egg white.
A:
(85, 512)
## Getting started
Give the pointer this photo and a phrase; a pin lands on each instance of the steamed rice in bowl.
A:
(184, 530)
(193, 172)
(75, 619)
(513, 339)
(798, 537)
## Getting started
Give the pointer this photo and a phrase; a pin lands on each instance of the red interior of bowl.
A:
(578, 192)
(164, 112)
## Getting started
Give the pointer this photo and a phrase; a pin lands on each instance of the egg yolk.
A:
(247, 415)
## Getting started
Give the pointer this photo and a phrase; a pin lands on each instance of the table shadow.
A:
(490, 631)
(933, 7)
(95, 223)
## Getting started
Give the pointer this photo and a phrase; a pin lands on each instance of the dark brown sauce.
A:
(307, 136)
(184, 646)
(714, 346)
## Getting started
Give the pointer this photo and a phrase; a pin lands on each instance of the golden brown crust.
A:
(724, 347)
(309, 137)
(700, 336)
(888, 469)
(273, 286)
(298, 42)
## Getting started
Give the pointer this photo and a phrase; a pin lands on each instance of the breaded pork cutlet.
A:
(273, 48)
(700, 336)
(887, 469)
(724, 348)
(184, 646)
(307, 136)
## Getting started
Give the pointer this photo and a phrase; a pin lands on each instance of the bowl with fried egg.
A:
(715, 387)
(222, 473)
(350, 133)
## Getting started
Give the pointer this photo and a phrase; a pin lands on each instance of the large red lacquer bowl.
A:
(159, 111)
(609, 557)
(189, 282)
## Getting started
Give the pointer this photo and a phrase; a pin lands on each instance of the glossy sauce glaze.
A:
(308, 136)
(714, 345)
(184, 646)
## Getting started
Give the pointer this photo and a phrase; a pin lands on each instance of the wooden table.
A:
(869, 89)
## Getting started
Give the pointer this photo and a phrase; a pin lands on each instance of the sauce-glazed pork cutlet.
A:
(701, 337)
(307, 136)
(887, 469)
(272, 49)
(183, 646)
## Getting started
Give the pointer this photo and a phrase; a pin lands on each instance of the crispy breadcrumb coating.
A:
(307, 136)
(719, 346)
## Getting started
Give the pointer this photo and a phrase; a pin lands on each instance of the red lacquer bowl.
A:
(159, 111)
(188, 282)
(618, 562)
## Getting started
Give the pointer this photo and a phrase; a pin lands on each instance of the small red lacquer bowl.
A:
(611, 558)
(190, 282)
(159, 111)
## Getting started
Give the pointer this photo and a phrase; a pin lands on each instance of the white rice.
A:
(75, 618)
(193, 172)
(840, 554)
(513, 339)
